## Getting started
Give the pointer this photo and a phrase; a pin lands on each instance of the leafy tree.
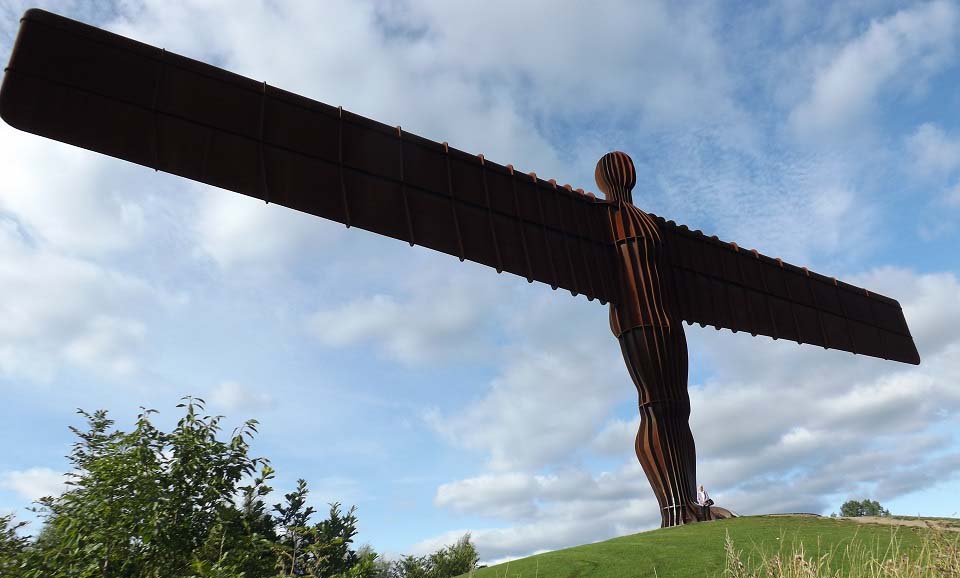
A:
(293, 519)
(323, 549)
(851, 509)
(854, 508)
(142, 503)
(243, 540)
(382, 567)
(453, 560)
(150, 504)
(334, 537)
(12, 546)
(368, 565)
(412, 567)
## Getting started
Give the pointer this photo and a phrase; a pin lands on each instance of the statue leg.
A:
(656, 358)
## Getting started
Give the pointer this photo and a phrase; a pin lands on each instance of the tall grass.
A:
(937, 557)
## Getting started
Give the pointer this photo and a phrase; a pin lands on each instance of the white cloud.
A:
(616, 435)
(233, 396)
(76, 201)
(554, 387)
(656, 59)
(60, 309)
(785, 203)
(517, 495)
(441, 319)
(240, 231)
(542, 406)
(33, 483)
(105, 344)
(507, 495)
(549, 511)
(901, 52)
(789, 429)
(932, 151)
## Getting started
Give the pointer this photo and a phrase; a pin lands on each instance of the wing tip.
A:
(913, 359)
(36, 14)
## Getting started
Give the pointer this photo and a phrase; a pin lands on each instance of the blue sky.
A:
(440, 397)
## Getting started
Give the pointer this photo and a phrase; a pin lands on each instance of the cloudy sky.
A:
(440, 397)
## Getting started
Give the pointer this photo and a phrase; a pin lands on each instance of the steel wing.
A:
(100, 91)
(720, 284)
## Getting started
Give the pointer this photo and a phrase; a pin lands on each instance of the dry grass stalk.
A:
(938, 557)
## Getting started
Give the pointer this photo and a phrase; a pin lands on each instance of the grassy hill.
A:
(699, 549)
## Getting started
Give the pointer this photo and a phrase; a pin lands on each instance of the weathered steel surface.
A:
(723, 285)
(100, 91)
(648, 325)
(103, 92)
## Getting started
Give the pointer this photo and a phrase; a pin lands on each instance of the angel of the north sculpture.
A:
(93, 89)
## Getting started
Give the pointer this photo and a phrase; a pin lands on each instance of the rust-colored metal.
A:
(93, 89)
(647, 322)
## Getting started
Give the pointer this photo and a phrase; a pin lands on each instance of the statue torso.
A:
(639, 249)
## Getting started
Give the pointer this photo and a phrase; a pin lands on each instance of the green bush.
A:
(454, 560)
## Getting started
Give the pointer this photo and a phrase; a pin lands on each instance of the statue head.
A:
(616, 176)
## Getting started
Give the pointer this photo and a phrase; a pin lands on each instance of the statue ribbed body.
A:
(655, 351)
(654, 347)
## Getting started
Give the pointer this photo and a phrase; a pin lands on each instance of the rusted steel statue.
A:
(648, 324)
(93, 89)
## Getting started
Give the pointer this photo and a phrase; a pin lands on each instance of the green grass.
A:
(697, 550)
